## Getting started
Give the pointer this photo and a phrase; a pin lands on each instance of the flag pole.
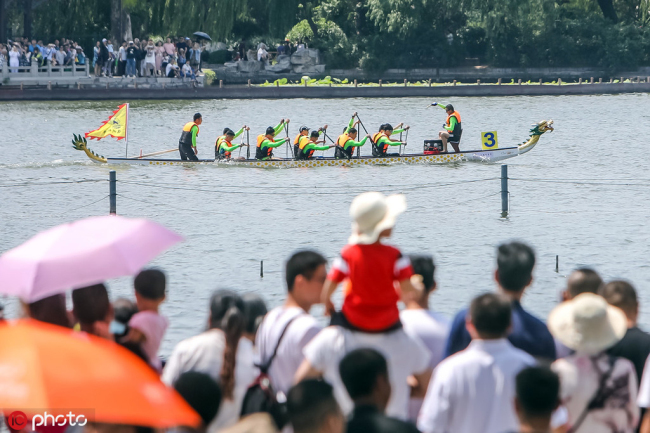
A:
(126, 132)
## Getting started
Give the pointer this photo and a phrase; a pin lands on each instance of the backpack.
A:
(260, 396)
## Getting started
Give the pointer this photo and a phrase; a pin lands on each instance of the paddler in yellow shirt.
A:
(266, 142)
(346, 143)
(223, 147)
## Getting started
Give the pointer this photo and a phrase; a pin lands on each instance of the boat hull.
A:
(477, 156)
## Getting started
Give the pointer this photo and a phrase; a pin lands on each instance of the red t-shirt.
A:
(371, 271)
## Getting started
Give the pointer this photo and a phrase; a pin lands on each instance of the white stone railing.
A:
(34, 71)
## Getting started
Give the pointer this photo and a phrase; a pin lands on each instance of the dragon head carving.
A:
(79, 142)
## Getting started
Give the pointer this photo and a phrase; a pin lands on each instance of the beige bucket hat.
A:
(587, 324)
(372, 213)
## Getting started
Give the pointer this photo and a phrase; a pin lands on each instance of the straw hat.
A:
(372, 213)
(587, 324)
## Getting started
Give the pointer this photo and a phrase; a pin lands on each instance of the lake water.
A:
(582, 193)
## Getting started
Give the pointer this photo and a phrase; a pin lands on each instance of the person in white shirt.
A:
(187, 72)
(406, 356)
(473, 390)
(305, 275)
(262, 54)
(221, 352)
(172, 69)
(598, 390)
(150, 59)
(420, 322)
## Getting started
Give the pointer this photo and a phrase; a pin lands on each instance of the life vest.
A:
(263, 153)
(457, 128)
(220, 153)
(300, 149)
(340, 149)
(186, 135)
(296, 144)
(376, 150)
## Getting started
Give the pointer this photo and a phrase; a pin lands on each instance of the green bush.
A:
(210, 76)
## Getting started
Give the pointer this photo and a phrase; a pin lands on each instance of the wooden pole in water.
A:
(112, 191)
(557, 263)
(261, 268)
(504, 190)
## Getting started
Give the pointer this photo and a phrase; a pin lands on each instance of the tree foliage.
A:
(380, 34)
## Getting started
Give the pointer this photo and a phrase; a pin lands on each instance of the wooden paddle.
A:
(153, 154)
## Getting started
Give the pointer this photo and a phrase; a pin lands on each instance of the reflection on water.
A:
(233, 217)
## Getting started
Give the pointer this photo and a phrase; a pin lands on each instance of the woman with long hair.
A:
(221, 352)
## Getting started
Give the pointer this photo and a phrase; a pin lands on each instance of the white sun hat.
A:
(372, 213)
(587, 324)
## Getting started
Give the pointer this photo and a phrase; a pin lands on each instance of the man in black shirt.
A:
(635, 345)
(365, 375)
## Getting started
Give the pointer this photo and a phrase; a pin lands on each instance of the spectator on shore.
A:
(635, 345)
(81, 56)
(130, 60)
(160, 52)
(515, 263)
(96, 57)
(582, 280)
(121, 65)
(102, 59)
(304, 273)
(365, 375)
(49, 310)
(181, 58)
(262, 54)
(172, 70)
(93, 310)
(473, 390)
(169, 47)
(14, 59)
(123, 310)
(313, 409)
(422, 323)
(38, 57)
(150, 59)
(108, 65)
(372, 269)
(147, 327)
(254, 310)
(195, 57)
(406, 356)
(187, 72)
(183, 44)
(537, 397)
(3, 55)
(139, 57)
(599, 391)
(221, 352)
(202, 393)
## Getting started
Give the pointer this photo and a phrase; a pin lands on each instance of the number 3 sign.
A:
(489, 140)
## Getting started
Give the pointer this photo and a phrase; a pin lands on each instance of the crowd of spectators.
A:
(495, 368)
(22, 52)
(175, 58)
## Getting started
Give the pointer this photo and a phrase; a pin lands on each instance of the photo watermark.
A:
(31, 419)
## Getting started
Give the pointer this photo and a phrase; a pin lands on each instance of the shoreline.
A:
(318, 92)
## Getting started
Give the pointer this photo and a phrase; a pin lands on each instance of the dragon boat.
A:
(430, 155)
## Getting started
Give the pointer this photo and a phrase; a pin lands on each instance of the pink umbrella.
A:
(81, 253)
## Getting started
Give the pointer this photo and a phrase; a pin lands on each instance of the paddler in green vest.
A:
(306, 148)
(223, 147)
(381, 140)
(452, 127)
(187, 142)
(266, 143)
(346, 143)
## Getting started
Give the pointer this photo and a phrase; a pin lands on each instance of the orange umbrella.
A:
(48, 368)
